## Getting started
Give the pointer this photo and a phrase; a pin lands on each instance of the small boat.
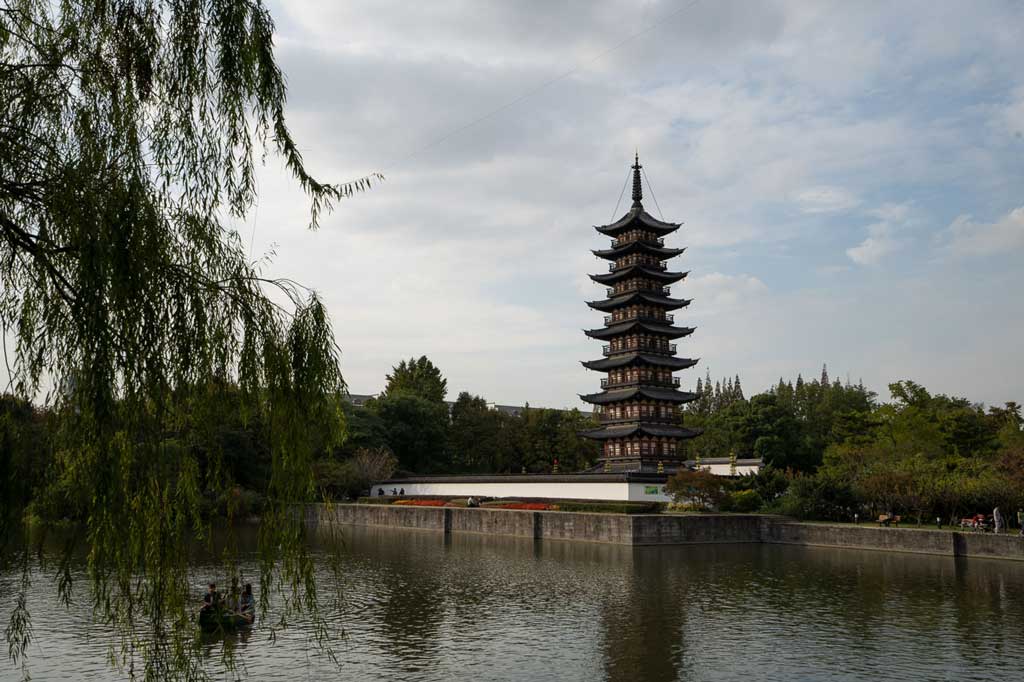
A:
(212, 620)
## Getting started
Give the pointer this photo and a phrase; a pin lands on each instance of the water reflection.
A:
(419, 606)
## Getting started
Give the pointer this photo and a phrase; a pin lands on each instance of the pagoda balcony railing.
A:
(669, 349)
(608, 383)
(664, 291)
(646, 418)
(667, 319)
(612, 267)
(616, 243)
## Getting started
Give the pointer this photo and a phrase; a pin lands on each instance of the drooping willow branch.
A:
(129, 132)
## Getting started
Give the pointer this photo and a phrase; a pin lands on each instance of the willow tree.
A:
(130, 132)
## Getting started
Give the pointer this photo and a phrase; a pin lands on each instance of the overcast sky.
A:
(850, 177)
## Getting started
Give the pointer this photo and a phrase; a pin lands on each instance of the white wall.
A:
(645, 492)
(726, 469)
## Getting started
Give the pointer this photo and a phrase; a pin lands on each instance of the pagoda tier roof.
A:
(638, 270)
(639, 359)
(638, 247)
(638, 218)
(666, 330)
(639, 297)
(669, 395)
(640, 429)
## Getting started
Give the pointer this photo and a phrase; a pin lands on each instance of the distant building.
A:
(725, 466)
(641, 423)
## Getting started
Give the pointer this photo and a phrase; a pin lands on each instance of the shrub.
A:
(351, 477)
(533, 506)
(744, 501)
(696, 487)
(612, 507)
(818, 497)
(684, 507)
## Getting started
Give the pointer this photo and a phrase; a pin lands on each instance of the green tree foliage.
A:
(417, 377)
(789, 426)
(26, 457)
(128, 136)
(547, 435)
(481, 439)
(352, 477)
(921, 456)
(832, 451)
(416, 430)
(699, 488)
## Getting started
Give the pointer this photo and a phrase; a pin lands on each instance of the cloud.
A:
(873, 249)
(716, 291)
(1010, 118)
(826, 200)
(882, 239)
(785, 135)
(965, 237)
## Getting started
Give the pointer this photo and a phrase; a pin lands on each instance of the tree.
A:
(128, 137)
(417, 377)
(364, 429)
(416, 430)
(696, 487)
(475, 435)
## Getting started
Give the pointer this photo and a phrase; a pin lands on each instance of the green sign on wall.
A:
(650, 490)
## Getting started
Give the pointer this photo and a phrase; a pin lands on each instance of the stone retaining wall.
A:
(860, 537)
(943, 542)
(667, 529)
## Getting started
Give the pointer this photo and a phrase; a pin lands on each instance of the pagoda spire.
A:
(638, 191)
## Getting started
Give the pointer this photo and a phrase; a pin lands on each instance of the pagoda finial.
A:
(638, 192)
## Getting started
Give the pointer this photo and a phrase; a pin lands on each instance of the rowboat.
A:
(211, 620)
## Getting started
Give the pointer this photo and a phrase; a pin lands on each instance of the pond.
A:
(419, 606)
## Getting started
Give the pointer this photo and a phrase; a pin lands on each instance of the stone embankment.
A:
(668, 529)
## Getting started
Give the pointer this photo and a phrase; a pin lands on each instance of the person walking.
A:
(1020, 521)
(997, 520)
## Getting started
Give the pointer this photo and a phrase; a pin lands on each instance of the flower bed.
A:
(532, 506)
(421, 503)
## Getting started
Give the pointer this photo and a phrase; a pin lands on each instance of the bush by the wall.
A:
(744, 501)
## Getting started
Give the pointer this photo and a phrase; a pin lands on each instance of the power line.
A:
(621, 194)
(529, 93)
(652, 193)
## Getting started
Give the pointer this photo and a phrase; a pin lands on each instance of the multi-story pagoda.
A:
(639, 404)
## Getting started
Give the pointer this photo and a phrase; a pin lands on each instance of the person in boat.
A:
(233, 595)
(248, 603)
(211, 600)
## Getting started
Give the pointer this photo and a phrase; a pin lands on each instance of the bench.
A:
(889, 520)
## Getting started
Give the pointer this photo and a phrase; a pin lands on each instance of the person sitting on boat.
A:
(211, 600)
(232, 604)
(248, 602)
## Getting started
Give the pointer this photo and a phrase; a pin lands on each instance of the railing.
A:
(639, 348)
(667, 319)
(608, 419)
(664, 291)
(616, 243)
(650, 381)
(612, 267)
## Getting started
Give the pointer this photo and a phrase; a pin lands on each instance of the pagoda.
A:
(639, 404)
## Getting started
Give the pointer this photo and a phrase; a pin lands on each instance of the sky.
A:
(850, 177)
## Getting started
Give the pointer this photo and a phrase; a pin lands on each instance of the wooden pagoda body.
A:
(639, 404)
